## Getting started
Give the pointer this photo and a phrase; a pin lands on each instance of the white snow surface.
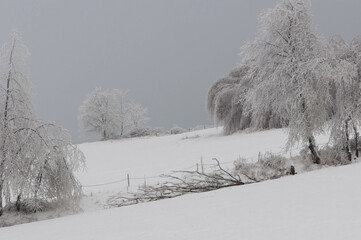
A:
(149, 157)
(323, 204)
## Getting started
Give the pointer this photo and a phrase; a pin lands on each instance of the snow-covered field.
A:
(149, 157)
(323, 204)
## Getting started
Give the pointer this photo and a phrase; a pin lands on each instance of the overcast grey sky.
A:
(166, 53)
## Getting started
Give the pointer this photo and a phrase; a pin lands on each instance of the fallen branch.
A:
(178, 184)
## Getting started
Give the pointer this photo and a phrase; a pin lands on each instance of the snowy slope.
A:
(323, 204)
(151, 156)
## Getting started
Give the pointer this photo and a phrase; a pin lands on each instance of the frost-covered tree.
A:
(223, 100)
(104, 112)
(37, 158)
(137, 114)
(290, 71)
(110, 113)
(346, 93)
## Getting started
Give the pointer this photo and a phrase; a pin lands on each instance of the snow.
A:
(151, 156)
(323, 204)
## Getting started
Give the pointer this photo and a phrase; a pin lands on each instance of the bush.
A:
(177, 130)
(30, 205)
(353, 145)
(201, 127)
(270, 166)
(142, 132)
(333, 156)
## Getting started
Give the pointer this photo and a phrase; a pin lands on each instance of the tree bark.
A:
(104, 135)
(356, 140)
(1, 198)
(347, 143)
(18, 203)
(311, 146)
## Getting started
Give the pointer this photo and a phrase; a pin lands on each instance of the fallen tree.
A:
(182, 182)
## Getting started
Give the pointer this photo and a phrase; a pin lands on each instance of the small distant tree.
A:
(104, 112)
(137, 115)
(110, 113)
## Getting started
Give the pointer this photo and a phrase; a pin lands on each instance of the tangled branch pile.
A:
(180, 183)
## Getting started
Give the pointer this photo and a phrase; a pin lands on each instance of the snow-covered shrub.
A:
(191, 137)
(33, 205)
(333, 156)
(270, 166)
(353, 145)
(145, 131)
(177, 130)
(200, 127)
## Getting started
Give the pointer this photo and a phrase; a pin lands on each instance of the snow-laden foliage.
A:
(137, 115)
(177, 130)
(225, 100)
(110, 112)
(291, 71)
(289, 78)
(145, 131)
(346, 94)
(37, 158)
(103, 112)
(270, 166)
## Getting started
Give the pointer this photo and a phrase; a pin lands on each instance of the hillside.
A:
(149, 157)
(323, 204)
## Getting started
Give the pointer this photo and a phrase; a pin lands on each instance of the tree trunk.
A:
(104, 135)
(1, 198)
(356, 139)
(311, 146)
(347, 143)
(18, 203)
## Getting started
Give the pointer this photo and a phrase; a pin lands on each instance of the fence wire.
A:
(198, 167)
